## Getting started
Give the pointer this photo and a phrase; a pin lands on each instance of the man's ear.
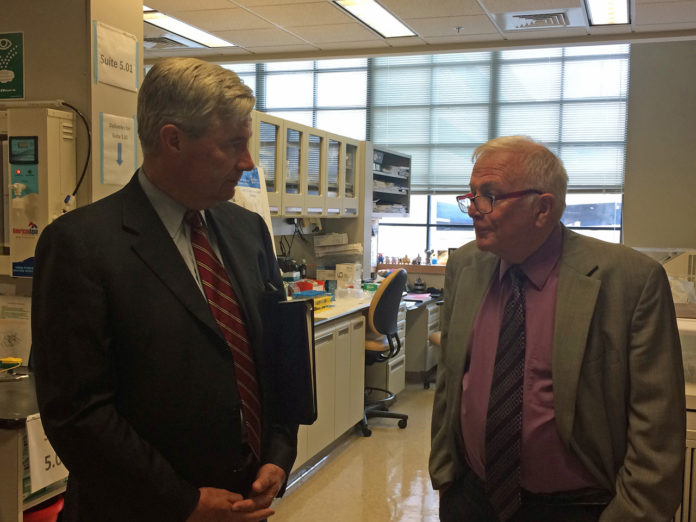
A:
(546, 203)
(170, 138)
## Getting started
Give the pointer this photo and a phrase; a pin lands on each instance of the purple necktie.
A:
(504, 420)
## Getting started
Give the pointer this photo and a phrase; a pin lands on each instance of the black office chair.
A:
(381, 344)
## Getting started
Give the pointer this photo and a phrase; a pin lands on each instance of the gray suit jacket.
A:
(617, 372)
(135, 381)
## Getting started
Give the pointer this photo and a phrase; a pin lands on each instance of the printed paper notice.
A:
(115, 57)
(118, 153)
(45, 467)
(251, 194)
(15, 327)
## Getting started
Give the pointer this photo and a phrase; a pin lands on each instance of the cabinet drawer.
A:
(396, 373)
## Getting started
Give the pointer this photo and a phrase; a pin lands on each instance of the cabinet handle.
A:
(397, 365)
(343, 331)
(324, 339)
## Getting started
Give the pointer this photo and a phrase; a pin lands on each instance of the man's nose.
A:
(245, 161)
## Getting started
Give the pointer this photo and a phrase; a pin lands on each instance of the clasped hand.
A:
(220, 505)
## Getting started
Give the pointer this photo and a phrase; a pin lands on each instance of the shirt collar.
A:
(540, 264)
(170, 212)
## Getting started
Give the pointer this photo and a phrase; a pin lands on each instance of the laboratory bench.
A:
(339, 355)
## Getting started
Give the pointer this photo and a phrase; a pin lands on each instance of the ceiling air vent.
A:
(162, 42)
(536, 20)
(155, 38)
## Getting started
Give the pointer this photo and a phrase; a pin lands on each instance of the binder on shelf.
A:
(289, 356)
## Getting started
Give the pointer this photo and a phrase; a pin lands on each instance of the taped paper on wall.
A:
(15, 327)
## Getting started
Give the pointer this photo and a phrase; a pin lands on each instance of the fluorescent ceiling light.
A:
(377, 17)
(187, 31)
(605, 12)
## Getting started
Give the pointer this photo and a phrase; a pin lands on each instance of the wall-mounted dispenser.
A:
(37, 155)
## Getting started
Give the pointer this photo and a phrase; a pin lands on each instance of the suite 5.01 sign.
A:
(115, 57)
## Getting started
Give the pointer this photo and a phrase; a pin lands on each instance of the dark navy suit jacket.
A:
(135, 382)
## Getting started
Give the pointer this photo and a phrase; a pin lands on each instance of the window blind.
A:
(439, 108)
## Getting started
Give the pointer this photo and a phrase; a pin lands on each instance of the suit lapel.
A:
(241, 266)
(473, 283)
(575, 303)
(154, 246)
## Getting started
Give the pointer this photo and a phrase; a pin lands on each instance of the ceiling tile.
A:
(643, 2)
(514, 6)
(336, 33)
(678, 29)
(299, 14)
(222, 19)
(666, 13)
(447, 26)
(202, 53)
(256, 3)
(281, 49)
(405, 41)
(260, 37)
(169, 6)
(463, 39)
(371, 44)
(419, 9)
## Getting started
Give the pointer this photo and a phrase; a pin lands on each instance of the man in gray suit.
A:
(136, 360)
(602, 406)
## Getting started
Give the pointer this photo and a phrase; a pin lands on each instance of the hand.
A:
(269, 480)
(220, 505)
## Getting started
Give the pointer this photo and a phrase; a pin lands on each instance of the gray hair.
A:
(543, 169)
(191, 94)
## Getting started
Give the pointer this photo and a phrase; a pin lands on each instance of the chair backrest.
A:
(384, 307)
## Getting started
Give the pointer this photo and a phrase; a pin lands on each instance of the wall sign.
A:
(115, 57)
(118, 152)
(11, 65)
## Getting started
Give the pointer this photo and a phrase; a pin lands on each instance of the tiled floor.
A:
(381, 478)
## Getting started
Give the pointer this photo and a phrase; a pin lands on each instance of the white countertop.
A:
(342, 306)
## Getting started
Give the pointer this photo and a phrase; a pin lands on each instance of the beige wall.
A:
(58, 64)
(660, 183)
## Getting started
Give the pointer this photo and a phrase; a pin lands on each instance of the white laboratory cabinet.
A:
(340, 365)
(308, 172)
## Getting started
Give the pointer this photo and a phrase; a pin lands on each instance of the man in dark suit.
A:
(598, 408)
(137, 384)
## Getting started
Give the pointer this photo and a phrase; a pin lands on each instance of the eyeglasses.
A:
(484, 202)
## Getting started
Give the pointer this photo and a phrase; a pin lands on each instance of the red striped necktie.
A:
(225, 308)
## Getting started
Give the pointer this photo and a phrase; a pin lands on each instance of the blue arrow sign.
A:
(119, 160)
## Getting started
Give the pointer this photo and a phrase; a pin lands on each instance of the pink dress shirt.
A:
(547, 466)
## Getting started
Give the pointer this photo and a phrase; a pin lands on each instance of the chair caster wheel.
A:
(402, 423)
(366, 432)
(426, 385)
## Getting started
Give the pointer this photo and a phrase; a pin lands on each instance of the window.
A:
(329, 94)
(439, 108)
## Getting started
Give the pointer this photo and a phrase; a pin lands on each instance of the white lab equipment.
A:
(37, 154)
